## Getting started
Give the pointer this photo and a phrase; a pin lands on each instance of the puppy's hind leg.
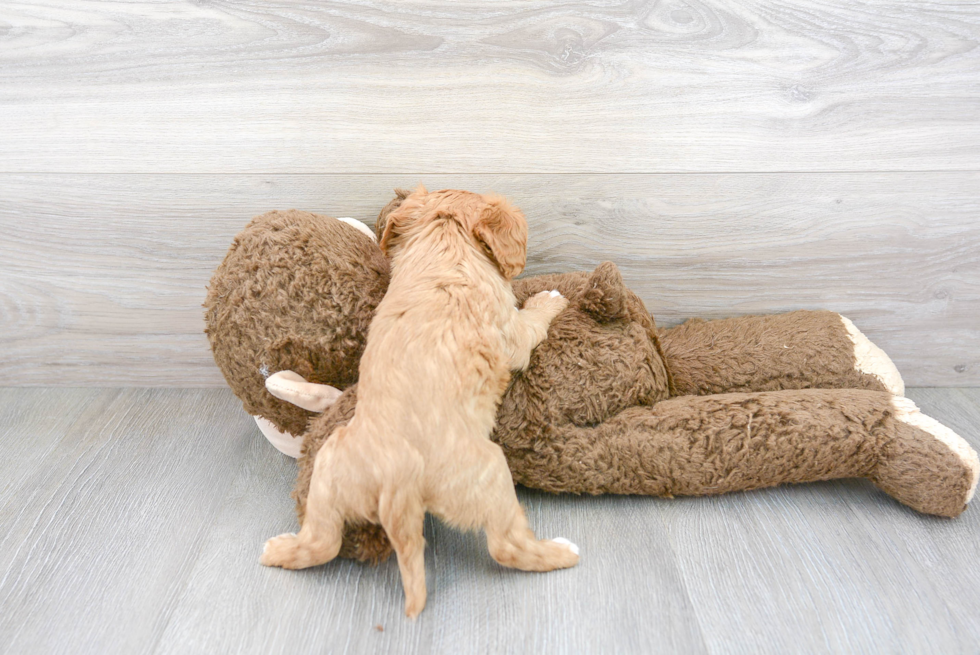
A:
(509, 539)
(402, 515)
(319, 540)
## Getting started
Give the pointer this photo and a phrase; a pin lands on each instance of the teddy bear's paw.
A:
(293, 388)
(872, 360)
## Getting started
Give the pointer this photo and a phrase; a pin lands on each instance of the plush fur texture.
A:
(609, 403)
(439, 354)
(797, 350)
(274, 303)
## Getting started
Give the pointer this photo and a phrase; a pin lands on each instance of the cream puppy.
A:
(438, 358)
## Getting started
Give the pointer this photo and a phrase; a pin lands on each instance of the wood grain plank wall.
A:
(731, 157)
(103, 280)
(538, 86)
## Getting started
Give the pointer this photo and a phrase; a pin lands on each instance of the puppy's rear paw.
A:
(281, 551)
(563, 554)
(562, 540)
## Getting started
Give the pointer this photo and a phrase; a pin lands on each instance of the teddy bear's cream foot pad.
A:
(284, 442)
(870, 359)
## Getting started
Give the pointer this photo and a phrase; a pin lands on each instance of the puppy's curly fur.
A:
(437, 361)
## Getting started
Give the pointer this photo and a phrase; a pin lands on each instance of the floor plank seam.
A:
(678, 565)
(178, 596)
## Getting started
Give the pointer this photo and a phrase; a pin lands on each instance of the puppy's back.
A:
(435, 349)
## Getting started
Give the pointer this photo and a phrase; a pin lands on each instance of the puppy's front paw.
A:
(551, 301)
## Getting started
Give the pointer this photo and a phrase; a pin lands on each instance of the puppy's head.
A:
(493, 224)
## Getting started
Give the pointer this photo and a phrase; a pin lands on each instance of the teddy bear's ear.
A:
(390, 226)
(502, 231)
(605, 297)
(393, 204)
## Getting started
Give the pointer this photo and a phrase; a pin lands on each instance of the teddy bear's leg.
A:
(293, 388)
(359, 226)
(920, 464)
(699, 445)
(797, 350)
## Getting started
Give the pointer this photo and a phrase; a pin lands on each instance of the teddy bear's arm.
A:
(293, 388)
(701, 445)
(796, 350)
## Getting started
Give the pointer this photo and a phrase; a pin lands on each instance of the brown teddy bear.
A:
(609, 403)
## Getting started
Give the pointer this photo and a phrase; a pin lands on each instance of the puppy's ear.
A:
(389, 229)
(391, 222)
(502, 231)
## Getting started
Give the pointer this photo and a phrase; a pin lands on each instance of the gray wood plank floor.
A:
(132, 520)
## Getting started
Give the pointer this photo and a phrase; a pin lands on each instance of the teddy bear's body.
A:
(609, 404)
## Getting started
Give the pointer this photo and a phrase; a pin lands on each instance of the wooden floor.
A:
(131, 521)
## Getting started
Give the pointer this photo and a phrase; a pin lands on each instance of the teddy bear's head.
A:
(297, 292)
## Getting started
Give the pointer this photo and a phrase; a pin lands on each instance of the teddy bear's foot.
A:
(925, 465)
(872, 360)
(284, 442)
